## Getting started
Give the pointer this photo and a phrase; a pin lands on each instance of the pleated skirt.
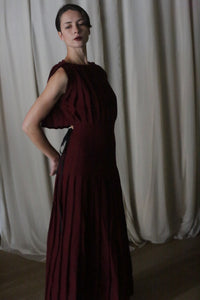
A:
(88, 254)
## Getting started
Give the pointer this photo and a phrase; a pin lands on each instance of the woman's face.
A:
(72, 25)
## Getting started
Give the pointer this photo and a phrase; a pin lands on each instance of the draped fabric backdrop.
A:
(150, 50)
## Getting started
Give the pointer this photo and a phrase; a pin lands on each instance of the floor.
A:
(170, 271)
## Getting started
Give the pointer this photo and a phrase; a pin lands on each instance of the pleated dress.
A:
(88, 254)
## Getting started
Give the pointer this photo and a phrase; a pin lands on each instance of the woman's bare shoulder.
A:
(59, 79)
(60, 74)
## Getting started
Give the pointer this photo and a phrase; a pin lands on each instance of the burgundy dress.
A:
(88, 254)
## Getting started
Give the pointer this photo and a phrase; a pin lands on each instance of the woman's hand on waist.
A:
(54, 162)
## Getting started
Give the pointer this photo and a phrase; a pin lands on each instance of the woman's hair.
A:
(66, 7)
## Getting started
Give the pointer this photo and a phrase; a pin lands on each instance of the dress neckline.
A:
(82, 65)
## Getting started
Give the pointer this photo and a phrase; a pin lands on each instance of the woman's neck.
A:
(77, 57)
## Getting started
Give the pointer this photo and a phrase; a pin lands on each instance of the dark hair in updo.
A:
(66, 7)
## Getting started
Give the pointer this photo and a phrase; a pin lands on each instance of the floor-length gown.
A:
(88, 254)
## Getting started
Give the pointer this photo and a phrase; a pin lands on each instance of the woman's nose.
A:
(76, 28)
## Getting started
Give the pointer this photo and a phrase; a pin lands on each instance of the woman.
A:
(87, 247)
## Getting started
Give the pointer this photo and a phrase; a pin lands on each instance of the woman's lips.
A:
(78, 38)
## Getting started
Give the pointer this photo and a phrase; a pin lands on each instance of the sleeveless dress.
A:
(88, 254)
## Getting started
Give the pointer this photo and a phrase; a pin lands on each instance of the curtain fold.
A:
(150, 50)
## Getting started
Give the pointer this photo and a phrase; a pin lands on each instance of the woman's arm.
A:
(55, 87)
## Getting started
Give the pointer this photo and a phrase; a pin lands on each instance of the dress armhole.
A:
(67, 71)
(55, 117)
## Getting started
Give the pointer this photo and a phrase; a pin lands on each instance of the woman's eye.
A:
(79, 24)
(82, 23)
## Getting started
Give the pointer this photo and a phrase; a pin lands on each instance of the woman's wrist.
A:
(55, 156)
(54, 162)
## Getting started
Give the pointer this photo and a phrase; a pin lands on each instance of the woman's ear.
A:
(60, 35)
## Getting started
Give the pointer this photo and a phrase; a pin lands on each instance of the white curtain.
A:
(150, 50)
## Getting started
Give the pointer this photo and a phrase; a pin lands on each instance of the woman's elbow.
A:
(28, 127)
(25, 127)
